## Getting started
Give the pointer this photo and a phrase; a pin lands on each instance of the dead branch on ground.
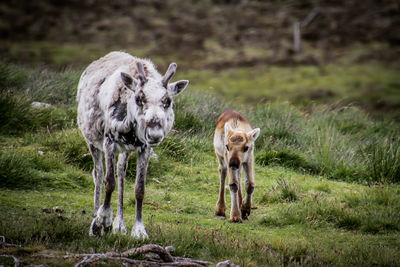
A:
(155, 256)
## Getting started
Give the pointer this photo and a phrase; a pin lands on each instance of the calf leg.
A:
(220, 209)
(98, 174)
(249, 186)
(240, 196)
(235, 215)
(138, 230)
(119, 224)
(103, 220)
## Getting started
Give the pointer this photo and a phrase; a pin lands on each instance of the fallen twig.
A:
(16, 260)
(164, 257)
(4, 244)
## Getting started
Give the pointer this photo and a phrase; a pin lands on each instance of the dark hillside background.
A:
(218, 34)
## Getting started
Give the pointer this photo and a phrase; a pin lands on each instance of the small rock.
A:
(226, 263)
(170, 249)
(153, 155)
(156, 180)
(58, 210)
(40, 105)
(47, 210)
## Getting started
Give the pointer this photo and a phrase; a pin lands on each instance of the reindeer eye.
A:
(166, 102)
(139, 101)
(227, 147)
(246, 148)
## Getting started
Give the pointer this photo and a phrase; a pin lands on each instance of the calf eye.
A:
(227, 147)
(246, 148)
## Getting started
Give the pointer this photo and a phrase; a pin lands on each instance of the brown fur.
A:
(228, 115)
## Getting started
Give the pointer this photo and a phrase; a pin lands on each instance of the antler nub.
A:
(142, 75)
(168, 75)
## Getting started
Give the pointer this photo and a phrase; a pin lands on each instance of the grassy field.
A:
(327, 175)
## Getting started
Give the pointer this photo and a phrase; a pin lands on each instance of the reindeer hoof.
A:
(96, 230)
(119, 226)
(235, 219)
(139, 231)
(102, 222)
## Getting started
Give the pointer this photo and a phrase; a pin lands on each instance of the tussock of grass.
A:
(361, 212)
(72, 145)
(16, 171)
(17, 116)
(282, 191)
(383, 160)
(197, 113)
(11, 76)
(28, 169)
(285, 157)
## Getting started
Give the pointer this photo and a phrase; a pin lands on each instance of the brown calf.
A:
(234, 146)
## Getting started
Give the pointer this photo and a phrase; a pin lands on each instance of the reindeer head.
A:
(238, 145)
(153, 102)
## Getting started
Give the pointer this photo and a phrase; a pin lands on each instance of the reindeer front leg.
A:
(103, 220)
(119, 224)
(138, 230)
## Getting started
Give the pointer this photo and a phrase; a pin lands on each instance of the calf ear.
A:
(253, 134)
(227, 130)
(129, 81)
(177, 87)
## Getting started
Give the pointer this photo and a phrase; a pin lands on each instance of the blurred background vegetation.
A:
(241, 50)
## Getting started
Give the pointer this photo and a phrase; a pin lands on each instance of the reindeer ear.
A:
(129, 81)
(177, 87)
(253, 134)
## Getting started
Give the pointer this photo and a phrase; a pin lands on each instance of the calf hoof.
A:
(139, 231)
(119, 226)
(235, 219)
(102, 223)
(220, 212)
(245, 214)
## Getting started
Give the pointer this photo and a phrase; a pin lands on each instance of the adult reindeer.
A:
(125, 105)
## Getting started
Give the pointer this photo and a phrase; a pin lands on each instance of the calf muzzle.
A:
(234, 164)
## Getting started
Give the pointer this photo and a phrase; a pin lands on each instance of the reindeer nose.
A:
(154, 135)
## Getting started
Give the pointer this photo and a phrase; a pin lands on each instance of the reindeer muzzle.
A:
(154, 135)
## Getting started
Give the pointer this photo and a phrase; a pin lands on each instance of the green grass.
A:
(327, 182)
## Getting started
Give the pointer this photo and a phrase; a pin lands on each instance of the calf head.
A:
(153, 102)
(238, 145)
